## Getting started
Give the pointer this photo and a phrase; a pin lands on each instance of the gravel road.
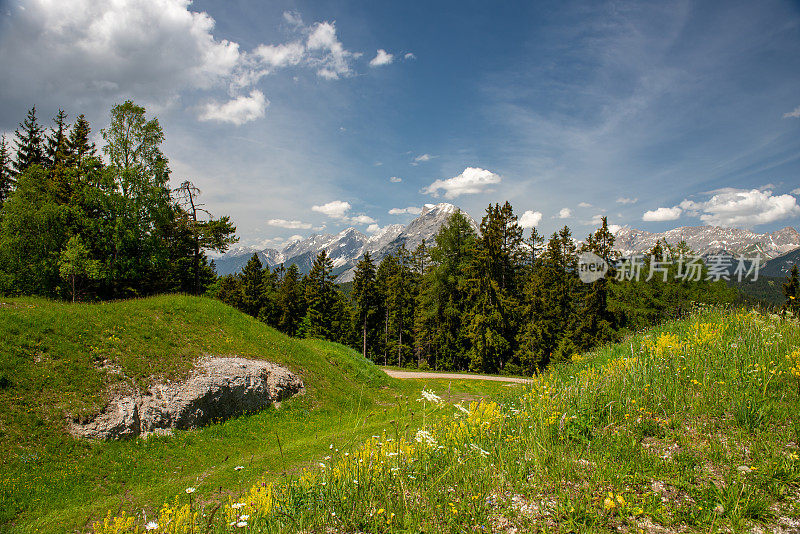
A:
(452, 376)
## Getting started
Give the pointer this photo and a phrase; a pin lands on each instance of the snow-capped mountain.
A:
(711, 239)
(346, 247)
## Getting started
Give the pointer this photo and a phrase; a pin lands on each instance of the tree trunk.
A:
(400, 346)
(386, 341)
(365, 336)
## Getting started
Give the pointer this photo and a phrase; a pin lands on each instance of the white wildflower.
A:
(152, 525)
(238, 505)
(430, 396)
(483, 452)
(238, 468)
(191, 490)
(462, 409)
(423, 436)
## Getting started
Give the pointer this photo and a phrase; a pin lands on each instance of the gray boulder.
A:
(217, 389)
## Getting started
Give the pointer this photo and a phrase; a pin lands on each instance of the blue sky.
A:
(289, 118)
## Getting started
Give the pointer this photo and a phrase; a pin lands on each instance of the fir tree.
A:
(79, 146)
(30, 143)
(58, 142)
(252, 279)
(364, 296)
(290, 301)
(6, 173)
(320, 297)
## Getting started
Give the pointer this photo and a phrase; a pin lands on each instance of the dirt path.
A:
(452, 376)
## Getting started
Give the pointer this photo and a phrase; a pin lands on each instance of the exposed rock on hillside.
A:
(217, 389)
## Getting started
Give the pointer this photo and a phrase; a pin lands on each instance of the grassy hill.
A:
(61, 359)
(689, 427)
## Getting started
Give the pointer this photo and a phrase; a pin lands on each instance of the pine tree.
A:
(364, 296)
(79, 146)
(444, 297)
(495, 272)
(290, 301)
(320, 296)
(6, 174)
(595, 323)
(252, 279)
(30, 143)
(58, 142)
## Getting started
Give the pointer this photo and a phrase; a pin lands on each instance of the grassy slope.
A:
(689, 427)
(52, 354)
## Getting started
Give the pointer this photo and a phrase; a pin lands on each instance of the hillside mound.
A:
(216, 390)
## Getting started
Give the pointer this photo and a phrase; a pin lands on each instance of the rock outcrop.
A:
(217, 389)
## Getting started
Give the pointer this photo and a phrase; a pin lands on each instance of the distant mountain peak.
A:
(349, 245)
(711, 239)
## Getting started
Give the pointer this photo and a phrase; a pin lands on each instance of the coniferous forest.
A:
(78, 222)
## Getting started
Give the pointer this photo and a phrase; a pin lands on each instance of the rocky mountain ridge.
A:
(346, 247)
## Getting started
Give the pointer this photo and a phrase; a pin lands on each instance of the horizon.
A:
(310, 117)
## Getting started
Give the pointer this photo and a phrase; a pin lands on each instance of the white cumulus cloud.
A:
(402, 211)
(584, 205)
(796, 191)
(330, 57)
(372, 228)
(237, 111)
(283, 223)
(565, 213)
(529, 219)
(381, 58)
(362, 219)
(662, 214)
(395, 180)
(471, 181)
(409, 56)
(336, 209)
(627, 200)
(743, 208)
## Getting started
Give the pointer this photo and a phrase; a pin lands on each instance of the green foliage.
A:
(63, 208)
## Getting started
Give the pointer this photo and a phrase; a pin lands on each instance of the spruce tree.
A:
(79, 145)
(595, 323)
(30, 143)
(320, 296)
(57, 141)
(364, 296)
(290, 301)
(252, 279)
(6, 173)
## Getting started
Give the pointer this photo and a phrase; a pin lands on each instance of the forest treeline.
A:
(72, 226)
(490, 301)
(82, 223)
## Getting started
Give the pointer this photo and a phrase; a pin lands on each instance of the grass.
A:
(56, 364)
(690, 427)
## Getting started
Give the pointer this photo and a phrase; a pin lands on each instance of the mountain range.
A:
(348, 246)
(707, 240)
